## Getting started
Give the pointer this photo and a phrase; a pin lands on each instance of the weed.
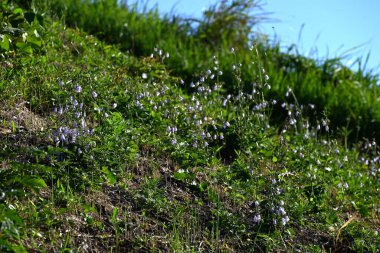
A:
(193, 147)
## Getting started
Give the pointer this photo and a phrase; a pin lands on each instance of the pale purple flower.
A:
(226, 124)
(94, 94)
(78, 88)
(62, 137)
(281, 210)
(257, 218)
(285, 220)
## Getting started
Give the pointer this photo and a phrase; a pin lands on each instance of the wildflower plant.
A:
(136, 154)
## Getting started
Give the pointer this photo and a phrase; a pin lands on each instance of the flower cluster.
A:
(71, 119)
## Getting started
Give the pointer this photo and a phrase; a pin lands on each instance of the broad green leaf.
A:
(181, 176)
(4, 43)
(34, 41)
(17, 11)
(109, 176)
(33, 182)
(24, 47)
(203, 186)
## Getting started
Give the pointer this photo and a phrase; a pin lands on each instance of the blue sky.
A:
(330, 27)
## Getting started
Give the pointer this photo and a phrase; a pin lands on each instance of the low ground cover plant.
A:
(103, 151)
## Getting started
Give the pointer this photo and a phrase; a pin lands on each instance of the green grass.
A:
(104, 151)
(326, 83)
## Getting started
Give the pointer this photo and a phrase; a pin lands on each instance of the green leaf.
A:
(4, 43)
(111, 179)
(12, 247)
(183, 176)
(34, 41)
(114, 214)
(33, 182)
(274, 159)
(266, 153)
(14, 128)
(18, 248)
(203, 186)
(18, 11)
(24, 47)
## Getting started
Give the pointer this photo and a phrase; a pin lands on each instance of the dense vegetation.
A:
(124, 131)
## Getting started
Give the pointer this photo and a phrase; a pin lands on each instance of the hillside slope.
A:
(101, 151)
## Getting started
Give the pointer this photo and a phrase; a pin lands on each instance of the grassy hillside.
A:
(105, 151)
(348, 98)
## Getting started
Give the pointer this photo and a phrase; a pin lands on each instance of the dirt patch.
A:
(22, 118)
